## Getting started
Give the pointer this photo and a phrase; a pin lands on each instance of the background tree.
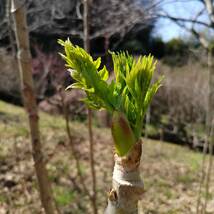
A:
(108, 18)
(86, 31)
(24, 60)
(194, 25)
(48, 20)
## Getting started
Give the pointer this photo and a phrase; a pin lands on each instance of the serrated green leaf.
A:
(103, 73)
(97, 63)
(129, 94)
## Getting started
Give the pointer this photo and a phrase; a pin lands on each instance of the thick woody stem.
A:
(127, 184)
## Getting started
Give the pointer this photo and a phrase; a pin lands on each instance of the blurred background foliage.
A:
(177, 113)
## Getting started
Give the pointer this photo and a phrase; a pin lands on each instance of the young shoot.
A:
(127, 97)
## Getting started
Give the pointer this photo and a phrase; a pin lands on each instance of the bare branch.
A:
(210, 9)
(180, 19)
(107, 17)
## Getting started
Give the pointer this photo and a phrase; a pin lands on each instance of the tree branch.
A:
(180, 19)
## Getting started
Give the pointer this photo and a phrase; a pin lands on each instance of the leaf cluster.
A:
(130, 93)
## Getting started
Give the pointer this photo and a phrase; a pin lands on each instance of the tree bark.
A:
(25, 68)
(210, 123)
(86, 32)
(127, 184)
(86, 26)
(210, 111)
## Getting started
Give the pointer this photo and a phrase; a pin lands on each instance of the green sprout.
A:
(127, 97)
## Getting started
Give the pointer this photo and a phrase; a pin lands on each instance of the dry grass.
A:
(171, 173)
(9, 78)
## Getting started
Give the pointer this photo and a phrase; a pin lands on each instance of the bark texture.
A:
(127, 184)
(210, 124)
(86, 32)
(210, 111)
(25, 68)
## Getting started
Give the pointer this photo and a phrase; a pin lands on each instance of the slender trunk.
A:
(209, 170)
(127, 184)
(205, 147)
(25, 68)
(10, 32)
(106, 46)
(92, 162)
(210, 119)
(208, 145)
(86, 25)
(71, 144)
(203, 175)
(86, 30)
(147, 122)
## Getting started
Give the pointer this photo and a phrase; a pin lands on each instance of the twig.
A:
(71, 144)
(92, 163)
(210, 165)
(210, 128)
(203, 175)
(86, 20)
(205, 147)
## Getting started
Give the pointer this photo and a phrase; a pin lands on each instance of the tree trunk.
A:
(86, 32)
(210, 123)
(86, 26)
(210, 97)
(210, 116)
(10, 32)
(127, 184)
(25, 68)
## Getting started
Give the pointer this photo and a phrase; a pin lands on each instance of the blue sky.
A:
(186, 9)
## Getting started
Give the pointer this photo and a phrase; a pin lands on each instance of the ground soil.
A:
(171, 173)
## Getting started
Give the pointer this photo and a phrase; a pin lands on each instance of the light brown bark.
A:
(210, 123)
(25, 68)
(86, 32)
(127, 184)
